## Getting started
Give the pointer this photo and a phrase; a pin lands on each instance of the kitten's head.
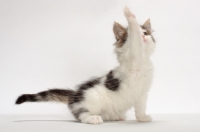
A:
(121, 35)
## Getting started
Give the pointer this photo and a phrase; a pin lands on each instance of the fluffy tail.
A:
(56, 95)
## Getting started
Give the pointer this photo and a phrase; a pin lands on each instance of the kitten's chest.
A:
(138, 82)
(141, 72)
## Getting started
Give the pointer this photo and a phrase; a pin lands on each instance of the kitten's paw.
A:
(94, 120)
(146, 118)
(128, 13)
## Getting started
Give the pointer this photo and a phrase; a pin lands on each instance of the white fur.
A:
(135, 72)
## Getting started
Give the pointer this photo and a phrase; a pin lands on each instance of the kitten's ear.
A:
(147, 25)
(119, 31)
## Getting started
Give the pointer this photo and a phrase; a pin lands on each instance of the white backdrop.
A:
(47, 44)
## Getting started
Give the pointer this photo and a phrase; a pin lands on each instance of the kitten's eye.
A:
(145, 33)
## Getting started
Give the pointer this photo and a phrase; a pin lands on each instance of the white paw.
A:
(94, 120)
(128, 13)
(146, 118)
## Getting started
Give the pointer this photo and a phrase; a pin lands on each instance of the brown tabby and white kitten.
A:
(110, 96)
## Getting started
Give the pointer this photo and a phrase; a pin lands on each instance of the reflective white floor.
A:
(63, 123)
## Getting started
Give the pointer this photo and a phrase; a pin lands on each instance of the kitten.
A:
(126, 86)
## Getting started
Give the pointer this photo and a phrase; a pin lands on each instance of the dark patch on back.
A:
(78, 96)
(112, 83)
(78, 112)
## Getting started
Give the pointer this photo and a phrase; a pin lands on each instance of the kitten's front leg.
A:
(135, 39)
(140, 110)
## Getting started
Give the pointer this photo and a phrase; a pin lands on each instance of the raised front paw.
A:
(146, 118)
(93, 120)
(128, 13)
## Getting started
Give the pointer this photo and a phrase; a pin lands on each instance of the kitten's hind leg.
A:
(90, 119)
